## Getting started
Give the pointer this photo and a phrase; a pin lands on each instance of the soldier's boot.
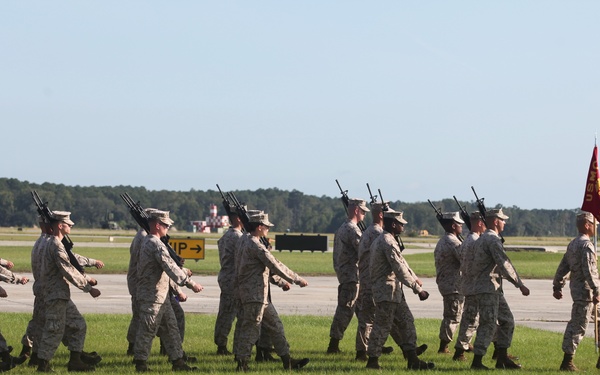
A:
(510, 356)
(444, 347)
(76, 364)
(25, 351)
(242, 365)
(44, 366)
(459, 355)
(503, 362)
(91, 358)
(189, 358)
(334, 346)
(264, 355)
(477, 363)
(130, 349)
(180, 365)
(141, 365)
(387, 350)
(290, 363)
(361, 355)
(567, 363)
(222, 350)
(9, 362)
(420, 350)
(33, 360)
(373, 363)
(598, 363)
(414, 363)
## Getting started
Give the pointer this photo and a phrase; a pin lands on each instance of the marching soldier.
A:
(63, 320)
(345, 263)
(447, 267)
(255, 264)
(491, 265)
(388, 271)
(7, 361)
(580, 261)
(155, 311)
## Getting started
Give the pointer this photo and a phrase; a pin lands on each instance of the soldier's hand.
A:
(301, 282)
(99, 264)
(92, 281)
(286, 287)
(182, 297)
(3, 293)
(9, 264)
(557, 294)
(94, 292)
(423, 295)
(23, 280)
(197, 288)
(524, 290)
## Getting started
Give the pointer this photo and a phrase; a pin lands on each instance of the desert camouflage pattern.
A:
(453, 309)
(447, 264)
(8, 276)
(345, 252)
(469, 322)
(581, 312)
(134, 255)
(260, 317)
(467, 253)
(157, 319)
(389, 270)
(63, 322)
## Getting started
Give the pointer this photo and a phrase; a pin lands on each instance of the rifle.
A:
(440, 218)
(384, 208)
(242, 212)
(482, 210)
(463, 213)
(226, 202)
(46, 214)
(373, 197)
(346, 201)
(141, 217)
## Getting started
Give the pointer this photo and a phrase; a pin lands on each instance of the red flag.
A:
(591, 200)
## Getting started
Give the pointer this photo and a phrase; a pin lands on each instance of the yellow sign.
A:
(188, 248)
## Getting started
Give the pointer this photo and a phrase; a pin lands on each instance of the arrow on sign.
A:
(197, 248)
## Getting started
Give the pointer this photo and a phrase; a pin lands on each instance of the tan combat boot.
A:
(567, 363)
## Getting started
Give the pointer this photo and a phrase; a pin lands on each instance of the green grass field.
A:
(539, 351)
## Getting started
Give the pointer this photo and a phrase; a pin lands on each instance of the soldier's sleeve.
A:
(560, 277)
(174, 272)
(590, 268)
(506, 268)
(276, 267)
(85, 261)
(61, 258)
(8, 276)
(3, 262)
(400, 267)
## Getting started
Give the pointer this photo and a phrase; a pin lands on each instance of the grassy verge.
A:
(539, 351)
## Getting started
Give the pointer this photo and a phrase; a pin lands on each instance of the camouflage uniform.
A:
(491, 265)
(227, 245)
(345, 263)
(62, 319)
(470, 316)
(447, 266)
(155, 311)
(388, 270)
(7, 276)
(255, 263)
(365, 307)
(580, 262)
(132, 281)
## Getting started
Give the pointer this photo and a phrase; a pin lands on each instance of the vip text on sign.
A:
(188, 248)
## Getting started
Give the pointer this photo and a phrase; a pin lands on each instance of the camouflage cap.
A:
(149, 209)
(162, 216)
(455, 216)
(396, 215)
(475, 215)
(378, 206)
(254, 212)
(362, 204)
(63, 216)
(261, 218)
(585, 216)
(496, 212)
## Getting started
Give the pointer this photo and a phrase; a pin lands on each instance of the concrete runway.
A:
(538, 310)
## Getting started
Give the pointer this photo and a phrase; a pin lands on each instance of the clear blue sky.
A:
(421, 99)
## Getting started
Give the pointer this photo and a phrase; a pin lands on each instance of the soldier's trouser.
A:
(157, 319)
(225, 316)
(35, 325)
(347, 294)
(580, 316)
(488, 315)
(135, 320)
(257, 316)
(365, 312)
(238, 327)
(403, 331)
(506, 324)
(179, 316)
(384, 320)
(3, 344)
(63, 323)
(453, 307)
(468, 323)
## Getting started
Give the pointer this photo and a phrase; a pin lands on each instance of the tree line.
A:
(293, 211)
